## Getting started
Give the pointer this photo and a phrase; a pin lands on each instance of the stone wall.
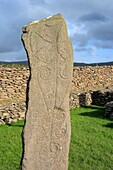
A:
(13, 83)
(12, 112)
(80, 99)
(101, 97)
(91, 78)
(13, 80)
(87, 86)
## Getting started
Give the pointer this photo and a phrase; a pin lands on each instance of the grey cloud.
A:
(14, 15)
(82, 49)
(74, 9)
(96, 16)
(80, 39)
(92, 17)
(103, 45)
(10, 29)
(102, 32)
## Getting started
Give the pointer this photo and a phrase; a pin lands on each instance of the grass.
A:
(91, 141)
(10, 146)
(11, 65)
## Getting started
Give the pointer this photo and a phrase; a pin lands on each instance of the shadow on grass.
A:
(15, 125)
(109, 125)
(95, 112)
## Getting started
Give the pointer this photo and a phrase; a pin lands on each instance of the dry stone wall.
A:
(80, 99)
(101, 97)
(109, 110)
(13, 82)
(91, 78)
(12, 112)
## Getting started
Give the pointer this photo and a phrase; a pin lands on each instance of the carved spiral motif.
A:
(64, 73)
(45, 73)
(59, 115)
(55, 147)
(49, 150)
(44, 153)
(46, 58)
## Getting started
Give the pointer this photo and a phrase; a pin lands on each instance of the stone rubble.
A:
(109, 110)
(101, 97)
(85, 99)
(12, 113)
(80, 99)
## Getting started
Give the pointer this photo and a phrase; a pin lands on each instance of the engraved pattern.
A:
(53, 77)
(45, 73)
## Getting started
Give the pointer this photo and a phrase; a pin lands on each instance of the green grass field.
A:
(91, 141)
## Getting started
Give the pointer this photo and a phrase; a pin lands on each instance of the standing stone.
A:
(46, 134)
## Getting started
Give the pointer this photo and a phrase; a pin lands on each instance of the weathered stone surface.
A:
(46, 133)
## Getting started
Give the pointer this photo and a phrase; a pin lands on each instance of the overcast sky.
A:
(90, 26)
